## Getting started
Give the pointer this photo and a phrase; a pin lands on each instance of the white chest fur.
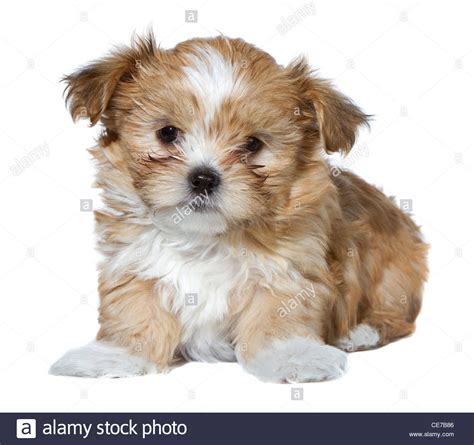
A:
(204, 275)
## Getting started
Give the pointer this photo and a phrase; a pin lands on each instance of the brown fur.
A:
(363, 255)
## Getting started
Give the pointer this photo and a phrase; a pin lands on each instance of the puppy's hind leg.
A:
(101, 359)
(384, 325)
(361, 337)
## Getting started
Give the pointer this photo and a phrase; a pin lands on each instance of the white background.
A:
(411, 64)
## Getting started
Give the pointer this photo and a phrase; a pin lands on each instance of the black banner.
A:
(220, 428)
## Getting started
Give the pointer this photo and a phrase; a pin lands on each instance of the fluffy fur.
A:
(99, 359)
(287, 264)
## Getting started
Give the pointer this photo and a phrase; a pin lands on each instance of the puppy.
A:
(225, 233)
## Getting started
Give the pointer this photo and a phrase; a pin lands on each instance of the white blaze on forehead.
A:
(198, 148)
(212, 78)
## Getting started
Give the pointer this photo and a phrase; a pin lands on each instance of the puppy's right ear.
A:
(90, 89)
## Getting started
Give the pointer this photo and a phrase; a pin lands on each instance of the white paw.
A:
(360, 337)
(100, 359)
(298, 359)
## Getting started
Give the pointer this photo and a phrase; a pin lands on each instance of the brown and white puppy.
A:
(225, 234)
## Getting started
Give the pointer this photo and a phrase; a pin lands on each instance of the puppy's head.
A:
(214, 132)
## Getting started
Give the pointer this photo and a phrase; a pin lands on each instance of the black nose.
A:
(203, 180)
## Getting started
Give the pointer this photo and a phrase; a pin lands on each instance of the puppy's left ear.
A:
(338, 118)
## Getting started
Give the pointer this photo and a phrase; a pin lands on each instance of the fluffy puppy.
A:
(225, 233)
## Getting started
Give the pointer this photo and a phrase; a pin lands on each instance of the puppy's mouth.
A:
(198, 204)
(204, 207)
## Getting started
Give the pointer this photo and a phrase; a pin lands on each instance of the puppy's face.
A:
(213, 132)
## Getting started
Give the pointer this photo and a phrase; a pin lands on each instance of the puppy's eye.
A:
(168, 135)
(252, 144)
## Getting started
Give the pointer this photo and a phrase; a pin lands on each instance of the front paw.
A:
(100, 359)
(298, 359)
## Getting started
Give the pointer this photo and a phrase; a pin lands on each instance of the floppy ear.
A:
(338, 118)
(90, 89)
